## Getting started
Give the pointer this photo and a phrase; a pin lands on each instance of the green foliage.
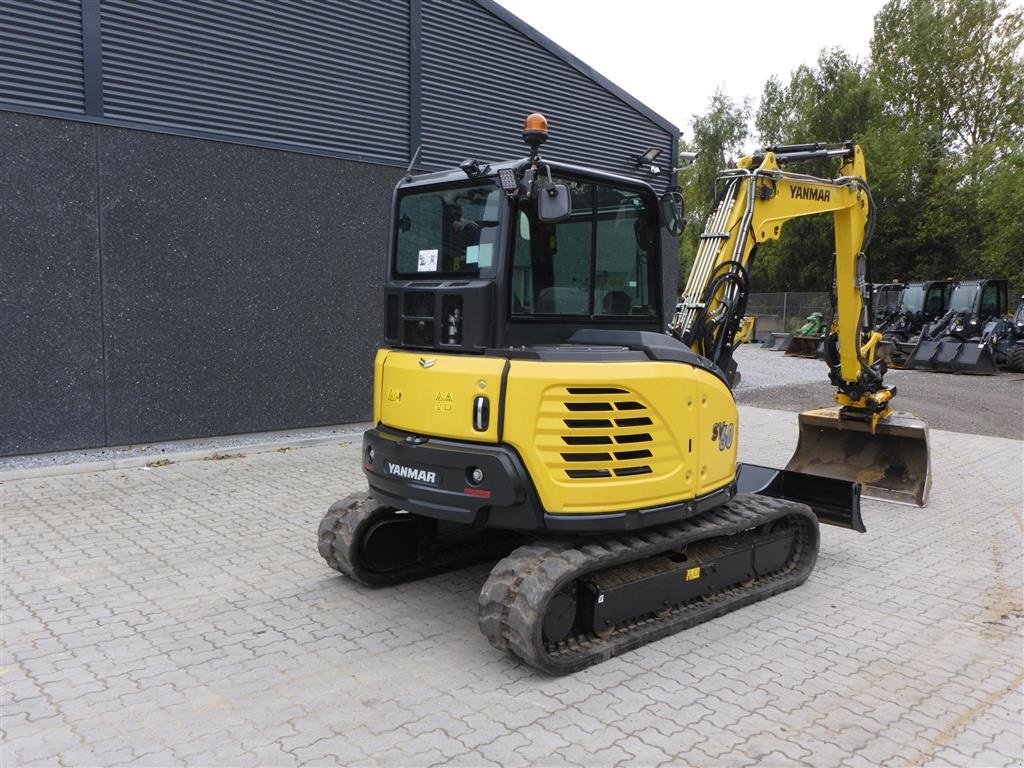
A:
(718, 137)
(939, 111)
(955, 66)
(1001, 246)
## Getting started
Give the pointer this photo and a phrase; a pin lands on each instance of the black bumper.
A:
(433, 477)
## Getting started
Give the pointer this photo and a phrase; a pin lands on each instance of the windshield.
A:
(913, 298)
(447, 232)
(599, 263)
(962, 299)
(887, 299)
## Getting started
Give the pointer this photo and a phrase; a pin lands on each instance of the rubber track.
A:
(514, 599)
(348, 520)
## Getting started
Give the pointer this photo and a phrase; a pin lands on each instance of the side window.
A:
(551, 263)
(420, 226)
(452, 231)
(624, 250)
(989, 302)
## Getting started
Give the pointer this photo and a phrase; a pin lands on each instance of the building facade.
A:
(194, 196)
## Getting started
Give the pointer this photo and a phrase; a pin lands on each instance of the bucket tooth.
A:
(893, 463)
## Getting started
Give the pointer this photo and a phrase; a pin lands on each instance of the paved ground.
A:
(983, 405)
(181, 615)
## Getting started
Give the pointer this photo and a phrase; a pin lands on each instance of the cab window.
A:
(448, 232)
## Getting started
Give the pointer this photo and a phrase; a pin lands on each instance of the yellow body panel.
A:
(683, 404)
(594, 436)
(433, 395)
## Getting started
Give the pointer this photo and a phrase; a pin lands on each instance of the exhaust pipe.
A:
(892, 463)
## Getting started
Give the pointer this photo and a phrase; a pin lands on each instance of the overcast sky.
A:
(671, 55)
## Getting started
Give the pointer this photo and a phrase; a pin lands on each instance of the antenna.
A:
(415, 157)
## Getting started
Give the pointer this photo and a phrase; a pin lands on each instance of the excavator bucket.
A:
(884, 352)
(953, 356)
(779, 341)
(893, 463)
(901, 354)
(804, 346)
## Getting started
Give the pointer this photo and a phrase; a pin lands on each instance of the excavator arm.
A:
(863, 439)
(760, 195)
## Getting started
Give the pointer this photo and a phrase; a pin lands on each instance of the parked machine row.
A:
(952, 326)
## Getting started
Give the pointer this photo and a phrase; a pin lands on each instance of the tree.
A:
(718, 136)
(830, 102)
(1001, 248)
(948, 145)
(954, 66)
(833, 101)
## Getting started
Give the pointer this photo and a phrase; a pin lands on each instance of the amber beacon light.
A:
(535, 130)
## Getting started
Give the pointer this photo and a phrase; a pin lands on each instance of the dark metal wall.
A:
(326, 76)
(360, 79)
(41, 61)
(158, 287)
(167, 272)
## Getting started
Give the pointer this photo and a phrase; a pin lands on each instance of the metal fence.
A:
(784, 311)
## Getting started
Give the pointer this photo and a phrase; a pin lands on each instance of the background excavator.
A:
(529, 405)
(903, 309)
(963, 340)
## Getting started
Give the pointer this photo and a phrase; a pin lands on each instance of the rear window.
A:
(447, 232)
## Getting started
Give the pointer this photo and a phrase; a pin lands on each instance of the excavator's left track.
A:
(379, 546)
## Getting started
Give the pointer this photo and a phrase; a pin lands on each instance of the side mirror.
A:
(553, 203)
(672, 212)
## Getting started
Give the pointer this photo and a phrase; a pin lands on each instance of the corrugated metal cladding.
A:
(41, 54)
(482, 77)
(316, 76)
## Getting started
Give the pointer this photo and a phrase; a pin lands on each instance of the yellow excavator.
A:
(529, 405)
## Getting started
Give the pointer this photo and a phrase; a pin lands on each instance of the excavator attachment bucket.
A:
(893, 463)
(884, 351)
(953, 356)
(779, 341)
(901, 354)
(804, 346)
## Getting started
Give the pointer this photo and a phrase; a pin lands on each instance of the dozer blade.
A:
(952, 356)
(779, 341)
(893, 464)
(803, 346)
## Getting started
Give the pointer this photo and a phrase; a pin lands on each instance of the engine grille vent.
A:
(590, 433)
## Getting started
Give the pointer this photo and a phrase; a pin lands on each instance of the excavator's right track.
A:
(524, 586)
